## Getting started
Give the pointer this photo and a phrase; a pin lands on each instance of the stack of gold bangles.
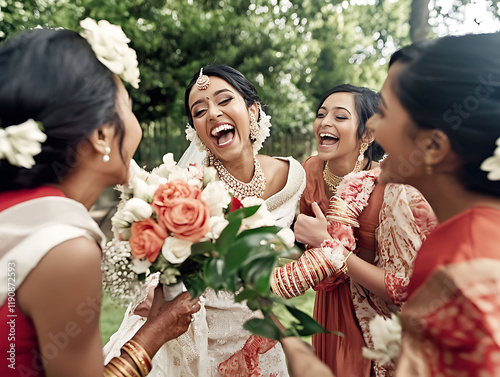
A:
(120, 367)
(297, 277)
(340, 211)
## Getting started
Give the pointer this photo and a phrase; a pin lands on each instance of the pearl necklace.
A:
(332, 180)
(240, 189)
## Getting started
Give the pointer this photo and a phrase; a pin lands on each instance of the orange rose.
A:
(167, 194)
(188, 219)
(147, 239)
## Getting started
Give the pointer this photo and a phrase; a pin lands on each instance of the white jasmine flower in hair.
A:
(386, 335)
(264, 130)
(492, 164)
(19, 143)
(110, 44)
(193, 137)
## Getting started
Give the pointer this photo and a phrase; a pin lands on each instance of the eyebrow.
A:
(215, 94)
(337, 107)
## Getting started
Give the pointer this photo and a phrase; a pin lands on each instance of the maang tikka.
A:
(203, 81)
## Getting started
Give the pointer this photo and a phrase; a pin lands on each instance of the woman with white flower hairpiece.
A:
(67, 131)
(228, 125)
(440, 125)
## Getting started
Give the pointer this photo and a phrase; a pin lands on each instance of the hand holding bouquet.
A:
(184, 225)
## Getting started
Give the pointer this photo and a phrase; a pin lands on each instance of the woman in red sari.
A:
(439, 122)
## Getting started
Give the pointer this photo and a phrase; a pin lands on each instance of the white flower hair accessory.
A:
(193, 137)
(19, 143)
(492, 164)
(110, 44)
(264, 131)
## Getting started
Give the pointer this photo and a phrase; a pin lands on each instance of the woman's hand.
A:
(166, 320)
(312, 230)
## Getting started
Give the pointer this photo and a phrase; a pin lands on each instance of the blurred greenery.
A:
(110, 319)
(291, 51)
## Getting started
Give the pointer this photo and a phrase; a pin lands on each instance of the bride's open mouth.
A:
(327, 139)
(222, 134)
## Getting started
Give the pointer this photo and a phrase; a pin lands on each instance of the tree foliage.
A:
(291, 51)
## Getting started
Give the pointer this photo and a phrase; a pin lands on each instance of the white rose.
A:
(217, 225)
(140, 266)
(183, 174)
(216, 198)
(260, 218)
(176, 250)
(19, 143)
(143, 190)
(167, 167)
(133, 210)
(287, 236)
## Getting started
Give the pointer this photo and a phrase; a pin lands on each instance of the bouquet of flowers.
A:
(182, 224)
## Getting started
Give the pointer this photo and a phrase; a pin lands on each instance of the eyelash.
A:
(320, 115)
(223, 102)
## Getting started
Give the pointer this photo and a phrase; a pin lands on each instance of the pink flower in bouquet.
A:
(167, 194)
(147, 239)
(187, 219)
(343, 233)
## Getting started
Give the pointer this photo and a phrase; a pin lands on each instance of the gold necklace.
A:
(240, 189)
(333, 181)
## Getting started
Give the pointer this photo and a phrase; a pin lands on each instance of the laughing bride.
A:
(228, 126)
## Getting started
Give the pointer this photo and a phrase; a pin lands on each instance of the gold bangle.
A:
(121, 368)
(143, 357)
(137, 362)
(112, 370)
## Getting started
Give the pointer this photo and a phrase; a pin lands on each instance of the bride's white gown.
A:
(217, 333)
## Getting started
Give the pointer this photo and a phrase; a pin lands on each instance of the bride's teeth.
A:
(328, 135)
(222, 127)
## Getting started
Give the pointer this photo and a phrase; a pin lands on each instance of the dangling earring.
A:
(105, 157)
(361, 157)
(254, 127)
(428, 169)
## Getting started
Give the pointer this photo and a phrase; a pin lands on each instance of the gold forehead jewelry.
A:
(203, 81)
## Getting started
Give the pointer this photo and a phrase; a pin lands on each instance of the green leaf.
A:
(263, 327)
(202, 248)
(195, 285)
(212, 273)
(228, 236)
(307, 324)
(242, 213)
(263, 229)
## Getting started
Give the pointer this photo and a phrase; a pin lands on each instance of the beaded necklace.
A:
(240, 189)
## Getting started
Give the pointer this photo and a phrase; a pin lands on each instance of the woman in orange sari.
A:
(359, 259)
(440, 124)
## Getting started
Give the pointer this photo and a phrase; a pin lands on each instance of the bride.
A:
(228, 126)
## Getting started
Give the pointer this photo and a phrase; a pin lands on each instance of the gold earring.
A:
(428, 169)
(254, 127)
(361, 156)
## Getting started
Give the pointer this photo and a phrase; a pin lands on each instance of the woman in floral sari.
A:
(360, 258)
(440, 124)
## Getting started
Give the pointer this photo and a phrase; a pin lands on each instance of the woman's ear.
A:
(101, 139)
(368, 137)
(254, 110)
(435, 145)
